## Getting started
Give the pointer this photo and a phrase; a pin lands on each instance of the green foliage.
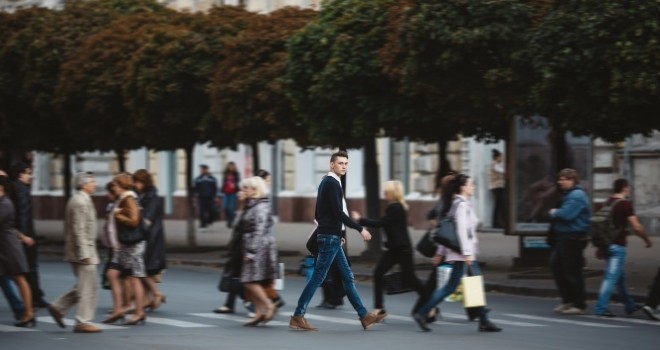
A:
(596, 64)
(247, 97)
(463, 58)
(165, 86)
(334, 76)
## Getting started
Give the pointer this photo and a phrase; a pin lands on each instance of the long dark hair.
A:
(451, 189)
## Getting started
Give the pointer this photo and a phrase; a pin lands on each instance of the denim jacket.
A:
(571, 219)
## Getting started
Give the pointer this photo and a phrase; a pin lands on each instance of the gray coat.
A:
(80, 233)
(258, 242)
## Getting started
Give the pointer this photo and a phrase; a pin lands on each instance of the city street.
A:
(186, 322)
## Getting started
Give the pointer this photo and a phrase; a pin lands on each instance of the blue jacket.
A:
(206, 186)
(571, 219)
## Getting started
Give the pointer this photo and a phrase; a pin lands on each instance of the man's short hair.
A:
(203, 166)
(82, 178)
(338, 154)
(619, 185)
(569, 174)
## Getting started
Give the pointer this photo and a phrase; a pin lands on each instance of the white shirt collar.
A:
(335, 176)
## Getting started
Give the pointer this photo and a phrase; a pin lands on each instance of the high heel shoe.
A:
(114, 318)
(136, 321)
(255, 321)
(27, 323)
(270, 313)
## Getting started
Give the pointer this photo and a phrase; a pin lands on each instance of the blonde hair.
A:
(395, 188)
(256, 183)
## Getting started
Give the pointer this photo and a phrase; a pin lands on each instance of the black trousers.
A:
(32, 276)
(206, 211)
(653, 298)
(499, 208)
(403, 256)
(567, 262)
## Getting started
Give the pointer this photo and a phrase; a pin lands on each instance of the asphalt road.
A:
(186, 322)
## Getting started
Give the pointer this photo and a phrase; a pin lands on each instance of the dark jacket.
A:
(329, 208)
(22, 199)
(395, 223)
(152, 213)
(206, 186)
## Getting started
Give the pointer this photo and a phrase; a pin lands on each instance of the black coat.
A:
(395, 224)
(152, 211)
(22, 199)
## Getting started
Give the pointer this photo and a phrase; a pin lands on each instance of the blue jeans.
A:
(615, 275)
(329, 251)
(11, 294)
(457, 272)
(229, 205)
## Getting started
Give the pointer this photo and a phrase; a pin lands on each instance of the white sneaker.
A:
(562, 307)
(573, 311)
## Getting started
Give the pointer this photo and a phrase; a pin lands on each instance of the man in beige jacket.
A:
(80, 246)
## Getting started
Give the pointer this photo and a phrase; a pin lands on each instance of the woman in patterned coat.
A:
(259, 248)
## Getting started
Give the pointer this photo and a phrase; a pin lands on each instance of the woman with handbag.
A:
(458, 192)
(154, 255)
(399, 248)
(260, 266)
(132, 245)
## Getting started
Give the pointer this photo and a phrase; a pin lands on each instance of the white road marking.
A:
(238, 319)
(629, 320)
(557, 320)
(70, 323)
(9, 329)
(176, 323)
(497, 320)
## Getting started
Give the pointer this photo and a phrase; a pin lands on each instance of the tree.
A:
(602, 79)
(247, 97)
(90, 84)
(165, 86)
(338, 87)
(38, 50)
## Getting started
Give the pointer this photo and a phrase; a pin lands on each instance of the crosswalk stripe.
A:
(409, 319)
(333, 319)
(556, 320)
(498, 320)
(238, 319)
(9, 329)
(176, 323)
(628, 320)
(69, 322)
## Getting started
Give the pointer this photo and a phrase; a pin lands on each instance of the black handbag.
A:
(445, 234)
(229, 284)
(312, 244)
(396, 284)
(426, 246)
(130, 235)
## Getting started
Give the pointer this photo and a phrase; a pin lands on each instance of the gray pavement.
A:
(497, 255)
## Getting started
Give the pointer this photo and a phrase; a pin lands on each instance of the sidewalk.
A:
(497, 253)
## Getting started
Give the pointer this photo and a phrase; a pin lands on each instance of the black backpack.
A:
(601, 225)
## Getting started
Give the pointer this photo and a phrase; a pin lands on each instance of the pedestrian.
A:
(131, 256)
(9, 288)
(653, 299)
(112, 270)
(623, 215)
(458, 193)
(229, 188)
(332, 218)
(570, 223)
(13, 262)
(234, 264)
(80, 251)
(260, 261)
(206, 189)
(155, 260)
(496, 187)
(22, 198)
(397, 241)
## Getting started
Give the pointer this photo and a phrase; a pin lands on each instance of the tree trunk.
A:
(372, 189)
(561, 155)
(67, 176)
(190, 218)
(444, 167)
(255, 157)
(121, 160)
